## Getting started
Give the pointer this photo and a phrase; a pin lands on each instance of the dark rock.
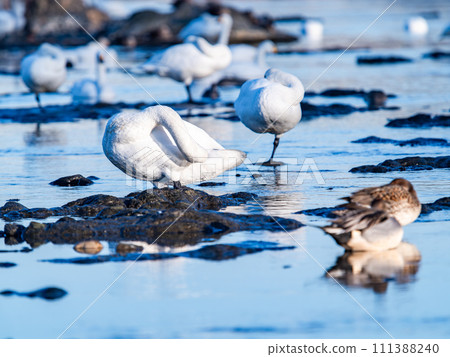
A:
(437, 55)
(438, 205)
(70, 181)
(412, 142)
(414, 163)
(152, 28)
(14, 231)
(336, 92)
(420, 121)
(7, 265)
(11, 206)
(326, 212)
(50, 293)
(212, 184)
(93, 178)
(382, 59)
(47, 21)
(125, 248)
(215, 252)
(171, 217)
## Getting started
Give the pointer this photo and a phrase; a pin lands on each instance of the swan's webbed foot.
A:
(272, 163)
(177, 184)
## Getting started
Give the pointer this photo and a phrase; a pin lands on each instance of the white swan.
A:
(240, 71)
(206, 26)
(44, 70)
(193, 60)
(271, 105)
(157, 145)
(89, 91)
(416, 26)
(312, 30)
(13, 19)
(85, 57)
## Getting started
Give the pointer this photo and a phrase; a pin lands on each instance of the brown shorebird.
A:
(399, 198)
(366, 229)
(372, 219)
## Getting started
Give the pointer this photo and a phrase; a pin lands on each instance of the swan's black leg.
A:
(188, 89)
(270, 162)
(38, 100)
(177, 184)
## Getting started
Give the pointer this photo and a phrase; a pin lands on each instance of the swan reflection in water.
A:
(40, 137)
(374, 270)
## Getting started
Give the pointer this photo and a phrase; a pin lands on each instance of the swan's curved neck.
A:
(170, 120)
(224, 37)
(261, 56)
(288, 80)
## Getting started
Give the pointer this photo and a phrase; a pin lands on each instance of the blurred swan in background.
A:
(12, 19)
(416, 26)
(271, 105)
(240, 71)
(193, 60)
(89, 91)
(44, 70)
(311, 30)
(85, 57)
(157, 145)
(206, 25)
(375, 269)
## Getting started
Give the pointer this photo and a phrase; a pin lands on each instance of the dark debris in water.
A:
(7, 265)
(74, 180)
(411, 142)
(211, 184)
(50, 293)
(414, 163)
(340, 92)
(374, 60)
(437, 55)
(420, 121)
(214, 252)
(173, 217)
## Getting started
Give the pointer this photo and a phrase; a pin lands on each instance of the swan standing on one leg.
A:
(157, 145)
(271, 105)
(89, 91)
(44, 70)
(193, 60)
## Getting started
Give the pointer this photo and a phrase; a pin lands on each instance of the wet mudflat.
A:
(252, 283)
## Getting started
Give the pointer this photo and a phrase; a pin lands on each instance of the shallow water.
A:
(269, 294)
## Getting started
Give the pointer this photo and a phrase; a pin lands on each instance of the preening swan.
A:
(206, 25)
(193, 60)
(89, 91)
(157, 145)
(44, 70)
(271, 105)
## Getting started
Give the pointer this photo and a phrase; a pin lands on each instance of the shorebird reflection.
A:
(374, 270)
